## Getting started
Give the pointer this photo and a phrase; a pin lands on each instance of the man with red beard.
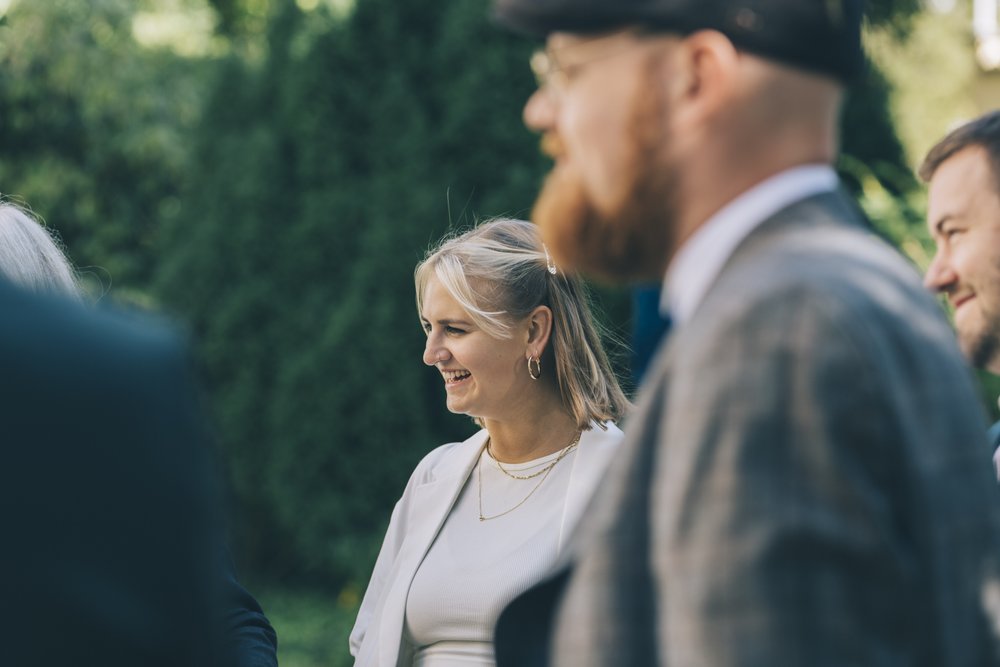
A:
(800, 483)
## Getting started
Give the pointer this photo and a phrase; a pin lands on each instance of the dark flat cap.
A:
(819, 35)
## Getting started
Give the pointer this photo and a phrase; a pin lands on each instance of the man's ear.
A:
(703, 72)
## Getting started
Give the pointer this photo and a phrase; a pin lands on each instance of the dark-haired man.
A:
(963, 215)
(800, 483)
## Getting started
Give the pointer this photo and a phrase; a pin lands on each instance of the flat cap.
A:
(823, 36)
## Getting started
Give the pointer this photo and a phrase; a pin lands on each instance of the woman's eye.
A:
(455, 331)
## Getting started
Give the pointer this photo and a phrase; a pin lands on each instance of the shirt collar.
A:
(701, 258)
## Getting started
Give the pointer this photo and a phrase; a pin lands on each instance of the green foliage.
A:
(896, 209)
(868, 136)
(990, 385)
(312, 627)
(242, 17)
(874, 161)
(331, 166)
(92, 126)
(894, 15)
(931, 74)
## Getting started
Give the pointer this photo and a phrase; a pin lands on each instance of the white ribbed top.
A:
(475, 568)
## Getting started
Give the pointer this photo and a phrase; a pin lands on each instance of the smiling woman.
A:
(482, 520)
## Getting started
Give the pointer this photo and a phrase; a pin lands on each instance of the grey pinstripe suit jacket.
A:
(804, 480)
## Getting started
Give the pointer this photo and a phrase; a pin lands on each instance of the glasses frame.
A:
(552, 75)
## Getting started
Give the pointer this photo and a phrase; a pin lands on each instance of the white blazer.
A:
(377, 638)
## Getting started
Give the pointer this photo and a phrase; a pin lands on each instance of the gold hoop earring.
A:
(536, 372)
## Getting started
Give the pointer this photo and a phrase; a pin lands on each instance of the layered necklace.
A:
(542, 472)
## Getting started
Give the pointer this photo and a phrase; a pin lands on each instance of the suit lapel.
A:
(430, 505)
(586, 477)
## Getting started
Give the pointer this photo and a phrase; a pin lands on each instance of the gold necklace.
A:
(546, 471)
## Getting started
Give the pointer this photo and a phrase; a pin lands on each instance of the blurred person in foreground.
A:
(113, 472)
(481, 520)
(963, 215)
(800, 483)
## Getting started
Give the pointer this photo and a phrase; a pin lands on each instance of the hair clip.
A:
(548, 260)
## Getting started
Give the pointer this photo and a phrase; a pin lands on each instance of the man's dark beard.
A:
(635, 240)
(984, 351)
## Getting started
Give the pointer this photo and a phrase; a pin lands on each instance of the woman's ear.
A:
(539, 330)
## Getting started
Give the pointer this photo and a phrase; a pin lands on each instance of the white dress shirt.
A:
(701, 258)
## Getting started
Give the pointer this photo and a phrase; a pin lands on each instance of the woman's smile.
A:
(454, 379)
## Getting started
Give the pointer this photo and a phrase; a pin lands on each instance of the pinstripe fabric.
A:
(803, 482)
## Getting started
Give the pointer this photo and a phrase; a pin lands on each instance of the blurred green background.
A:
(269, 172)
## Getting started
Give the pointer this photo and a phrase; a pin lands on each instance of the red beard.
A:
(633, 239)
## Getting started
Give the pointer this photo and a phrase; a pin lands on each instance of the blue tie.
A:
(648, 327)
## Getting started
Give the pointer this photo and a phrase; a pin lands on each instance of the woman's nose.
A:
(434, 352)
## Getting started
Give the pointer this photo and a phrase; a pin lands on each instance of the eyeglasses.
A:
(545, 69)
(555, 75)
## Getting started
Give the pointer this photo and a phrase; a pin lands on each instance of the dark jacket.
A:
(249, 635)
(110, 540)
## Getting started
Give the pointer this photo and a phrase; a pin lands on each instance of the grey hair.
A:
(499, 272)
(31, 257)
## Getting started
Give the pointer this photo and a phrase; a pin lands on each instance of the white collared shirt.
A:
(701, 258)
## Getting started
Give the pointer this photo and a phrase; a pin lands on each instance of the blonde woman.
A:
(482, 520)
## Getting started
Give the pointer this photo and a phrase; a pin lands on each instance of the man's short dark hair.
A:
(983, 131)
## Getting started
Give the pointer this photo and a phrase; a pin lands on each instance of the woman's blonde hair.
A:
(499, 272)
